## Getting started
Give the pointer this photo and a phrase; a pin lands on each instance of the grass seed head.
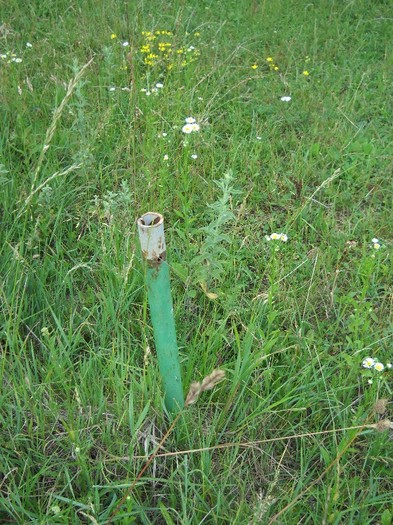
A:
(193, 393)
(380, 406)
(208, 383)
(383, 425)
(212, 380)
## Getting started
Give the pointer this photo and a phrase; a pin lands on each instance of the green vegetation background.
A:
(290, 323)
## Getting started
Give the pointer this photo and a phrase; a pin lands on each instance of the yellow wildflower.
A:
(275, 68)
(269, 59)
(254, 66)
(306, 73)
(113, 36)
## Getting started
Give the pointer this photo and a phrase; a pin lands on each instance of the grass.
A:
(286, 438)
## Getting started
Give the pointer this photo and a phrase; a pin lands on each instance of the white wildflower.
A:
(187, 128)
(275, 236)
(368, 362)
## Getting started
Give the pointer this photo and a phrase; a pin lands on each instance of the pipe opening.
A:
(151, 219)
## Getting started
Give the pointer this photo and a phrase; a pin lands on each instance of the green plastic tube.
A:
(152, 239)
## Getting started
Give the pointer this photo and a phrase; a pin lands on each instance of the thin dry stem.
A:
(43, 184)
(196, 388)
(321, 476)
(56, 116)
(254, 444)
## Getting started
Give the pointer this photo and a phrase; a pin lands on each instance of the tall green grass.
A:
(81, 404)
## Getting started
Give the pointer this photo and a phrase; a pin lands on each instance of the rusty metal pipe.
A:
(152, 240)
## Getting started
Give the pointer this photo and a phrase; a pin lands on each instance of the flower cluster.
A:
(154, 90)
(271, 64)
(9, 57)
(370, 362)
(376, 244)
(159, 48)
(305, 72)
(190, 125)
(277, 237)
(114, 88)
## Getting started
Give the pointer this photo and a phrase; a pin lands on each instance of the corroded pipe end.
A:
(152, 237)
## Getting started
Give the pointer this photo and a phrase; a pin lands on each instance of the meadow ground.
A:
(94, 97)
